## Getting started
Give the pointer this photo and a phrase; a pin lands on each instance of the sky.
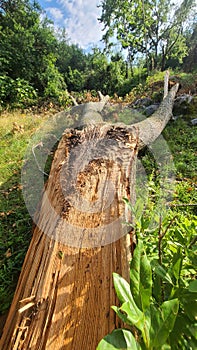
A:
(78, 17)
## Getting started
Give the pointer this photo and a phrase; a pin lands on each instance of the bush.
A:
(16, 92)
(54, 84)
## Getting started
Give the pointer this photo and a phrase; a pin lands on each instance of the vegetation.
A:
(158, 308)
(16, 224)
(38, 69)
(154, 29)
(15, 232)
(38, 64)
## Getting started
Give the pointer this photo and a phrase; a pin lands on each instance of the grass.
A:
(183, 146)
(16, 224)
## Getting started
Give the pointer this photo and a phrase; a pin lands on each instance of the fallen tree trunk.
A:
(64, 293)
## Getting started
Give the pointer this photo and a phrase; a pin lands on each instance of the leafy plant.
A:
(18, 92)
(159, 283)
(149, 323)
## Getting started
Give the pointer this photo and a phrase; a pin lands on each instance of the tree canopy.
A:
(151, 28)
(39, 62)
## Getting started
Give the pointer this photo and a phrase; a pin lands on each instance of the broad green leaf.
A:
(119, 339)
(190, 308)
(161, 272)
(122, 288)
(188, 302)
(180, 327)
(162, 322)
(134, 315)
(193, 286)
(140, 320)
(141, 278)
(121, 315)
(176, 265)
(132, 344)
(193, 330)
(131, 315)
(157, 288)
(183, 328)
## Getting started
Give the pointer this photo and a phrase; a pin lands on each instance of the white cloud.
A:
(82, 23)
(56, 13)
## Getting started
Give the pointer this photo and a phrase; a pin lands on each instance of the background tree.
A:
(190, 62)
(72, 63)
(153, 29)
(28, 47)
(98, 64)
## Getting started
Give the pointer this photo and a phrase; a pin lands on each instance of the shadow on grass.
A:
(15, 236)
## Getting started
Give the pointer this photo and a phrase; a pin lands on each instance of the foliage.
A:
(156, 76)
(53, 81)
(17, 91)
(153, 323)
(159, 307)
(40, 61)
(172, 252)
(75, 80)
(155, 29)
(185, 162)
(28, 54)
(170, 245)
(34, 55)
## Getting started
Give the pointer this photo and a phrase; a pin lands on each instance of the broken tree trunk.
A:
(65, 290)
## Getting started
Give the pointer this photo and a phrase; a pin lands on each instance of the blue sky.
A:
(78, 17)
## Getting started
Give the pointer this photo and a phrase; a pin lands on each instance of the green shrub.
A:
(54, 82)
(16, 92)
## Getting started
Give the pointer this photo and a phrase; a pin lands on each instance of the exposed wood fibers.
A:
(64, 293)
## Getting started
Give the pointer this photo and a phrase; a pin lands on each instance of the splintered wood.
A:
(65, 291)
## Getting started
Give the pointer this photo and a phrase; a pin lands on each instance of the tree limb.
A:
(152, 127)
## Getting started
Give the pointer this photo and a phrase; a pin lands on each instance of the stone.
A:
(143, 102)
(182, 103)
(151, 109)
(194, 121)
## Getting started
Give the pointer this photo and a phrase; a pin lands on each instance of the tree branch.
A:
(152, 127)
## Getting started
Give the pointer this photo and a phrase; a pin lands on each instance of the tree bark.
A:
(151, 128)
(65, 290)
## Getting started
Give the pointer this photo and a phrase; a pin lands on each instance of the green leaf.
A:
(121, 315)
(139, 320)
(180, 327)
(129, 312)
(134, 315)
(162, 322)
(176, 267)
(190, 307)
(161, 272)
(122, 288)
(141, 278)
(193, 286)
(157, 288)
(166, 347)
(119, 339)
